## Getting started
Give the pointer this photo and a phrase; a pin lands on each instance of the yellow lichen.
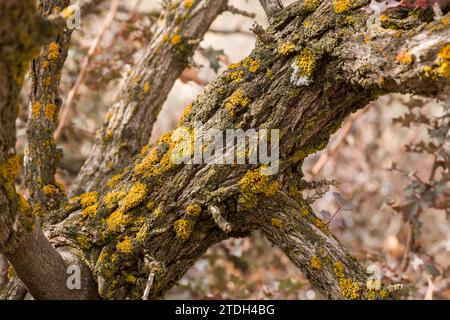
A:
(188, 4)
(10, 272)
(53, 51)
(187, 111)
(10, 169)
(150, 205)
(306, 63)
(84, 242)
(236, 101)
(130, 279)
(252, 65)
(183, 228)
(304, 212)
(316, 263)
(252, 184)
(341, 6)
(158, 213)
(320, 224)
(311, 5)
(112, 198)
(349, 288)
(277, 223)
(113, 181)
(90, 211)
(339, 269)
(146, 88)
(135, 196)
(441, 67)
(50, 111)
(193, 209)
(176, 39)
(286, 48)
(142, 234)
(35, 110)
(125, 246)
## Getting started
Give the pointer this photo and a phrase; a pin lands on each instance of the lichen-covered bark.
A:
(17, 46)
(310, 69)
(41, 153)
(299, 82)
(130, 120)
(22, 31)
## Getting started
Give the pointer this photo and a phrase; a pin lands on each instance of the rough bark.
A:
(41, 155)
(129, 122)
(310, 69)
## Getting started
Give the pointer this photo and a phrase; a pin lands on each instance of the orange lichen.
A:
(187, 111)
(50, 190)
(90, 211)
(252, 65)
(188, 4)
(306, 63)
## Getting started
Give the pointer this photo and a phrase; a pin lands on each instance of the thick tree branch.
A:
(22, 241)
(41, 154)
(308, 243)
(130, 120)
(299, 85)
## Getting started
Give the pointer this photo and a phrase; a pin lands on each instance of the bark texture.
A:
(129, 123)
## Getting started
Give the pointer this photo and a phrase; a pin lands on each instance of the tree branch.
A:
(41, 154)
(124, 132)
(308, 243)
(271, 6)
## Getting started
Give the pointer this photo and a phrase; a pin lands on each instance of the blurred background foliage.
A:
(390, 161)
